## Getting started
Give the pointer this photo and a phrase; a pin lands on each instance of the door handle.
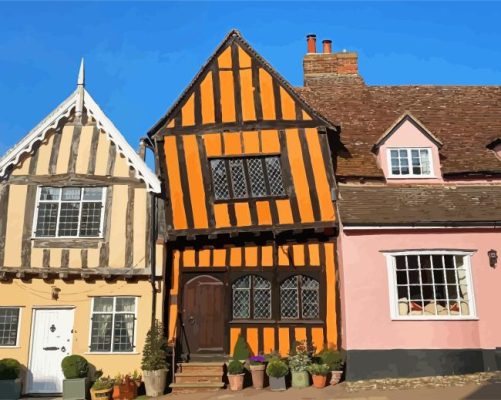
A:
(63, 349)
(51, 348)
(191, 320)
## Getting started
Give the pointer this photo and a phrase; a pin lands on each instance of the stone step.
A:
(196, 377)
(202, 367)
(195, 387)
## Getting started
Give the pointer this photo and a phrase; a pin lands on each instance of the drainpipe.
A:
(153, 255)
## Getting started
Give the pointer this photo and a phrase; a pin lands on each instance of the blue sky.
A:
(140, 56)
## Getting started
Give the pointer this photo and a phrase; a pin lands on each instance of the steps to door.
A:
(198, 377)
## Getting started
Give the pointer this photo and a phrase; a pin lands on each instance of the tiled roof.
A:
(419, 205)
(464, 118)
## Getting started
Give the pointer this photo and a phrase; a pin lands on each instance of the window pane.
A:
(71, 194)
(123, 335)
(256, 176)
(125, 304)
(68, 219)
(103, 304)
(309, 297)
(47, 219)
(425, 161)
(90, 222)
(238, 179)
(289, 299)
(242, 283)
(274, 171)
(9, 320)
(241, 303)
(262, 303)
(49, 193)
(219, 178)
(101, 332)
(93, 193)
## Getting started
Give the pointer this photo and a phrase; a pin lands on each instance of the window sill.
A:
(45, 243)
(432, 318)
(412, 177)
(110, 353)
(10, 347)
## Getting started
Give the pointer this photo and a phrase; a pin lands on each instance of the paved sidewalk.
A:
(486, 391)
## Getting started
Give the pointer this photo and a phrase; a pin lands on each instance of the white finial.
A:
(81, 74)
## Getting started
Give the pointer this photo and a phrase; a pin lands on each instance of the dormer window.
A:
(410, 162)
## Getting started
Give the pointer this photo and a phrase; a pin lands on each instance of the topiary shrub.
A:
(10, 369)
(155, 349)
(332, 358)
(235, 367)
(241, 350)
(75, 367)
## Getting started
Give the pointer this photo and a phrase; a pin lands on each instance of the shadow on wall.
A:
(491, 391)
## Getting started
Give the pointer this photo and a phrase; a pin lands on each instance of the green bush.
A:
(235, 367)
(75, 367)
(332, 358)
(277, 368)
(318, 369)
(155, 349)
(9, 369)
(103, 383)
(241, 349)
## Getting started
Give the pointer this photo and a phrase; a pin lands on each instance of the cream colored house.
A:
(78, 271)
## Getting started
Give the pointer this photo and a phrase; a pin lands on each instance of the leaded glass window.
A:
(70, 212)
(247, 177)
(113, 324)
(9, 325)
(299, 298)
(251, 298)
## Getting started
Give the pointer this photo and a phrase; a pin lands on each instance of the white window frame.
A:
(38, 201)
(134, 343)
(393, 291)
(409, 158)
(16, 345)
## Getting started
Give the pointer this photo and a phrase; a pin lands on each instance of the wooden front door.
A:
(203, 315)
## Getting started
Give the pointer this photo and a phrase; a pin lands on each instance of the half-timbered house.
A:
(248, 183)
(77, 251)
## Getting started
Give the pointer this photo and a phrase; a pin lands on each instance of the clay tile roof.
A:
(419, 205)
(464, 118)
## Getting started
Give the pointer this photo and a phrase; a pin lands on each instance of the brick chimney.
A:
(341, 66)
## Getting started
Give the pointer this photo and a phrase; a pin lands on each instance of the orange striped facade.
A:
(238, 108)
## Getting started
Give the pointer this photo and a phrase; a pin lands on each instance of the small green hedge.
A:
(75, 367)
(9, 369)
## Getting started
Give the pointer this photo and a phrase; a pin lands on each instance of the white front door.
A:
(51, 340)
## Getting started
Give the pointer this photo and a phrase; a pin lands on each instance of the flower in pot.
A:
(257, 367)
(102, 388)
(236, 375)
(299, 360)
(154, 363)
(277, 370)
(76, 383)
(335, 361)
(319, 374)
(10, 383)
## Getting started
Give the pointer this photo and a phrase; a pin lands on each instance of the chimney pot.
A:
(311, 41)
(327, 46)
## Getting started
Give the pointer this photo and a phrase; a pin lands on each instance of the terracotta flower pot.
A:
(257, 372)
(236, 381)
(335, 377)
(319, 381)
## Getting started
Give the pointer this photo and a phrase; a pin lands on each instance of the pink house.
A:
(418, 172)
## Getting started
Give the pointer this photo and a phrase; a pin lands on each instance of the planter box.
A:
(336, 377)
(101, 394)
(76, 389)
(10, 389)
(154, 382)
(277, 384)
(300, 379)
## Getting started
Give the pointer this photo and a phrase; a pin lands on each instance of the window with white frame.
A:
(431, 285)
(113, 324)
(70, 212)
(9, 326)
(410, 162)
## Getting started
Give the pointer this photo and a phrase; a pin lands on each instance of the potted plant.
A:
(319, 374)
(76, 383)
(299, 360)
(101, 388)
(241, 350)
(236, 375)
(10, 383)
(124, 388)
(154, 364)
(257, 367)
(277, 371)
(136, 378)
(335, 362)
